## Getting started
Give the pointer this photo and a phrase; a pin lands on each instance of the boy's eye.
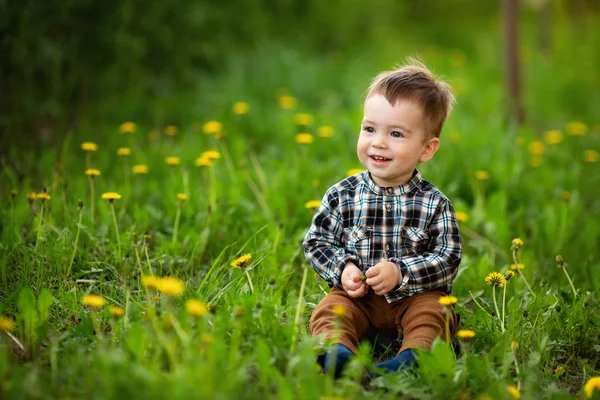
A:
(368, 129)
(397, 134)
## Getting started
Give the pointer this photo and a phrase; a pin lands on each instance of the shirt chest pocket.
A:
(357, 240)
(413, 241)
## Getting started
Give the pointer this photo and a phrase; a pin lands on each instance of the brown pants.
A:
(420, 318)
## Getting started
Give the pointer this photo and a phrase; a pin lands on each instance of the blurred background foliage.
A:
(70, 62)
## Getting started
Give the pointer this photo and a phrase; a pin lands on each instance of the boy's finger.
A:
(371, 272)
(373, 281)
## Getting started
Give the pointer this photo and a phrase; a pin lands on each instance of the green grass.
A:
(254, 344)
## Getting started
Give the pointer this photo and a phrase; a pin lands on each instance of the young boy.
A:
(386, 240)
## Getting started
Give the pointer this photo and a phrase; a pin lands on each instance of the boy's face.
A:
(392, 140)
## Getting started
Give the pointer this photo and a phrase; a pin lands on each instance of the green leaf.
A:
(44, 301)
(29, 315)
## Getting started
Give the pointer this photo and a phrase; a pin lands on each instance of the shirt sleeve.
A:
(437, 267)
(323, 244)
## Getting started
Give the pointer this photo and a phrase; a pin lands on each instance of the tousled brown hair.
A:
(414, 82)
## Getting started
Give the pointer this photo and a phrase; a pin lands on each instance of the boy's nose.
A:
(379, 142)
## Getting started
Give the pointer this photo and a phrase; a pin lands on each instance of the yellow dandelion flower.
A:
(89, 146)
(517, 242)
(240, 261)
(111, 196)
(509, 274)
(536, 148)
(212, 127)
(495, 279)
(211, 154)
(514, 344)
(196, 308)
(465, 334)
(304, 138)
(339, 311)
(116, 311)
(354, 171)
(553, 137)
(93, 300)
(6, 324)
(577, 128)
(591, 386)
(241, 108)
(325, 131)
(171, 130)
(92, 172)
(482, 175)
(462, 216)
(455, 136)
(515, 267)
(313, 204)
(287, 102)
(591, 156)
(123, 151)
(181, 196)
(447, 301)
(31, 196)
(535, 161)
(173, 161)
(204, 162)
(150, 281)
(513, 392)
(170, 286)
(559, 370)
(43, 196)
(127, 127)
(303, 119)
(140, 169)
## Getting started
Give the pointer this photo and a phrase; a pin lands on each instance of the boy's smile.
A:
(391, 142)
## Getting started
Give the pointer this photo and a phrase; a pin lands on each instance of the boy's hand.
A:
(352, 283)
(383, 277)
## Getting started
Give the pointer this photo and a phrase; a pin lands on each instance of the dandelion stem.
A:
(112, 209)
(447, 325)
(176, 227)
(516, 261)
(92, 199)
(148, 259)
(570, 281)
(39, 232)
(298, 308)
(249, 281)
(503, 300)
(213, 189)
(478, 305)
(68, 272)
(496, 307)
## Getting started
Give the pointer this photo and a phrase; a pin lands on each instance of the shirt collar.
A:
(413, 183)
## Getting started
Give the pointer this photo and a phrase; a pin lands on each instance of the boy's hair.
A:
(414, 82)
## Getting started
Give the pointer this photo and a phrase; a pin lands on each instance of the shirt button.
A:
(390, 190)
(387, 249)
(388, 206)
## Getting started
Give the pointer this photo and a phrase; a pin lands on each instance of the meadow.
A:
(162, 257)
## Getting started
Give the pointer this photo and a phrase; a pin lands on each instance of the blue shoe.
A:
(405, 360)
(342, 355)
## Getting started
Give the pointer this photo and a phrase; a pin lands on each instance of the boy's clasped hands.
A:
(383, 277)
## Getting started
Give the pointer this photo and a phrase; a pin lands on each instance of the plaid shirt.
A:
(412, 225)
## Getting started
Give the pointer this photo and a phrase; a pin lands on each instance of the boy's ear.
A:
(429, 149)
